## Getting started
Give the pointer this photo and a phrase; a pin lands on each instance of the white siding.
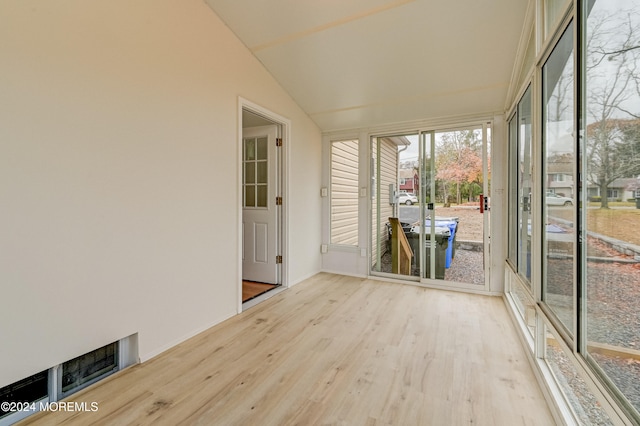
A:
(344, 192)
(388, 175)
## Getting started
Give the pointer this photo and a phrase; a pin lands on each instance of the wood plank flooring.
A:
(334, 350)
(251, 289)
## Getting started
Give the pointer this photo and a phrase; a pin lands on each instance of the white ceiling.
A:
(363, 63)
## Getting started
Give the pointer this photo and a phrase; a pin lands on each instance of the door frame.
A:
(483, 124)
(284, 125)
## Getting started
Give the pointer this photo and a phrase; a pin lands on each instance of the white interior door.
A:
(260, 211)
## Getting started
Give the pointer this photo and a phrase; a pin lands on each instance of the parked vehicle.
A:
(406, 198)
(558, 200)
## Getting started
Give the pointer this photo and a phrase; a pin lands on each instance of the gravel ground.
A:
(466, 267)
(585, 406)
(613, 297)
(625, 374)
(613, 317)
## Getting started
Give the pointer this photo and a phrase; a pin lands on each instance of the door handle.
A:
(484, 203)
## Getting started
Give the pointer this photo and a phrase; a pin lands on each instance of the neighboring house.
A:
(620, 189)
(559, 171)
(408, 181)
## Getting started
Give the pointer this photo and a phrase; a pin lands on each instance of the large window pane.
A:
(520, 172)
(586, 408)
(393, 157)
(558, 214)
(611, 167)
(524, 187)
(513, 190)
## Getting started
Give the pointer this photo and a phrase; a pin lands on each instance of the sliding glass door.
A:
(395, 183)
(429, 214)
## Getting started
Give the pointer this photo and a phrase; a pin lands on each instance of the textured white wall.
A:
(118, 166)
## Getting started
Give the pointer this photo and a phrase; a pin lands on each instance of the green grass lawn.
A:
(621, 224)
(615, 204)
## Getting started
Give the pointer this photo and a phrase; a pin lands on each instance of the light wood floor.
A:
(334, 350)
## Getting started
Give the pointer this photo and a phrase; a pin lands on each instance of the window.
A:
(585, 406)
(558, 242)
(520, 188)
(255, 172)
(587, 293)
(403, 181)
(512, 250)
(88, 368)
(344, 192)
(610, 138)
(30, 390)
(62, 380)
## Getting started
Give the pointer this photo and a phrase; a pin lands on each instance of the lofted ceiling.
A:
(363, 63)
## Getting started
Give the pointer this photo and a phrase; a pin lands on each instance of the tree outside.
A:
(613, 91)
(459, 164)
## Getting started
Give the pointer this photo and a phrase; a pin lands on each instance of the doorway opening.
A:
(262, 200)
(429, 213)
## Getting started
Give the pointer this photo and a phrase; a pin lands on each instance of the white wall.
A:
(118, 166)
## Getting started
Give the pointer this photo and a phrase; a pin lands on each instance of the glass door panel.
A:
(453, 219)
(394, 195)
(432, 257)
(432, 182)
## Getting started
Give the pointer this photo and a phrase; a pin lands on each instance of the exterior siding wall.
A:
(344, 192)
(388, 175)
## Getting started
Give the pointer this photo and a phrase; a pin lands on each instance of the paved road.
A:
(409, 214)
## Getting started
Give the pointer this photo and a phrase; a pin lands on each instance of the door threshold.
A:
(262, 297)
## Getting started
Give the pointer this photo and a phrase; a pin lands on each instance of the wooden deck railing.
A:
(401, 253)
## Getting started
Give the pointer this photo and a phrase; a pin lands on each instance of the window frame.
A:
(598, 383)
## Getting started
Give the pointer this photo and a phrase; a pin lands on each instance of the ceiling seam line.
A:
(323, 27)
